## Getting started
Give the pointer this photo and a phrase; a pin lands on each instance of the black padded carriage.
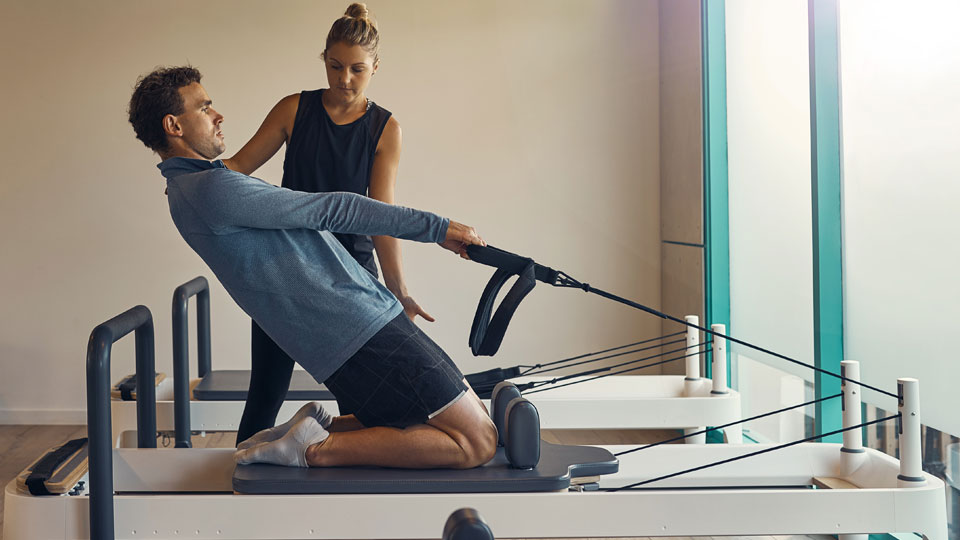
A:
(558, 465)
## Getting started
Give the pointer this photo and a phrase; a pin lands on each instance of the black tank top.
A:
(323, 156)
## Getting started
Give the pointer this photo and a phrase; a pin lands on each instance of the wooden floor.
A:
(21, 445)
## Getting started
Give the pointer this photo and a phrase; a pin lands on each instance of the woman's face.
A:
(349, 68)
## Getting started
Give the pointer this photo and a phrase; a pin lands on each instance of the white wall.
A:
(900, 72)
(537, 123)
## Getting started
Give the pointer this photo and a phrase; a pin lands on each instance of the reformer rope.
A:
(587, 355)
(607, 357)
(636, 485)
(564, 280)
(483, 382)
(709, 429)
(552, 382)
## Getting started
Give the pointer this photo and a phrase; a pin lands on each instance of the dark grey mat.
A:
(558, 463)
(232, 385)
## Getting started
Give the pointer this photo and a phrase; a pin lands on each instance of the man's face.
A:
(200, 123)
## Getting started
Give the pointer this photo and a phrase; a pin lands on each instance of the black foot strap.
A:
(44, 468)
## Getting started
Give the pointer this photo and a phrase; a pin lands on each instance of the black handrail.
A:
(181, 352)
(139, 320)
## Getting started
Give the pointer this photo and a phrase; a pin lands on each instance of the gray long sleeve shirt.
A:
(273, 251)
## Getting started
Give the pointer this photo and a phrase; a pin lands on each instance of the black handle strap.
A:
(487, 331)
(511, 262)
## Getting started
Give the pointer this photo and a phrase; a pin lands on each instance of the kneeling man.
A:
(274, 251)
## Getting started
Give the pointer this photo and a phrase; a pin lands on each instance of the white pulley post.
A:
(719, 364)
(852, 454)
(692, 380)
(911, 459)
(693, 346)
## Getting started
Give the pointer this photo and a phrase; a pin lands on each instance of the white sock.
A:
(289, 450)
(313, 409)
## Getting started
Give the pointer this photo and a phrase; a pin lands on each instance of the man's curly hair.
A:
(154, 96)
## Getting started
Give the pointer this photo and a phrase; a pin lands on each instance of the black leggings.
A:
(270, 372)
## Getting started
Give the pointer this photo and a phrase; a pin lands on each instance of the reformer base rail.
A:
(730, 509)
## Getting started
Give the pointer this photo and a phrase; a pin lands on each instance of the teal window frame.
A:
(826, 195)
(716, 229)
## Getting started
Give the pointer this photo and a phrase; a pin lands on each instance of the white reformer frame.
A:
(723, 500)
(688, 402)
(177, 493)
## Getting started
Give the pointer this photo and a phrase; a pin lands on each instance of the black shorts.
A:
(399, 378)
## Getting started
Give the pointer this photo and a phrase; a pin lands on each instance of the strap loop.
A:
(487, 332)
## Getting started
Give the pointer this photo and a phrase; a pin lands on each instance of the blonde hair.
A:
(355, 28)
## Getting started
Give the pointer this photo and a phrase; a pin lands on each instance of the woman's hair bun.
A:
(357, 10)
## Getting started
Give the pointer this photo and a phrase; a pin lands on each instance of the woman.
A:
(337, 140)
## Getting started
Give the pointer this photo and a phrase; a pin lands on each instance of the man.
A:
(274, 252)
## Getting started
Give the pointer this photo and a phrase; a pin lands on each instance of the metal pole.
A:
(181, 351)
(100, 453)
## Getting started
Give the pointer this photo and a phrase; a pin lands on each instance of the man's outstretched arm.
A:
(235, 200)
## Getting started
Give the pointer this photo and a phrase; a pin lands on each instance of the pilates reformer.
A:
(799, 488)
(590, 399)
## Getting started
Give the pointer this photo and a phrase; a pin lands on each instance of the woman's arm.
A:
(383, 181)
(274, 131)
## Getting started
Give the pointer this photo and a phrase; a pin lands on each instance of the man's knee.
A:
(474, 432)
(467, 423)
(481, 444)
